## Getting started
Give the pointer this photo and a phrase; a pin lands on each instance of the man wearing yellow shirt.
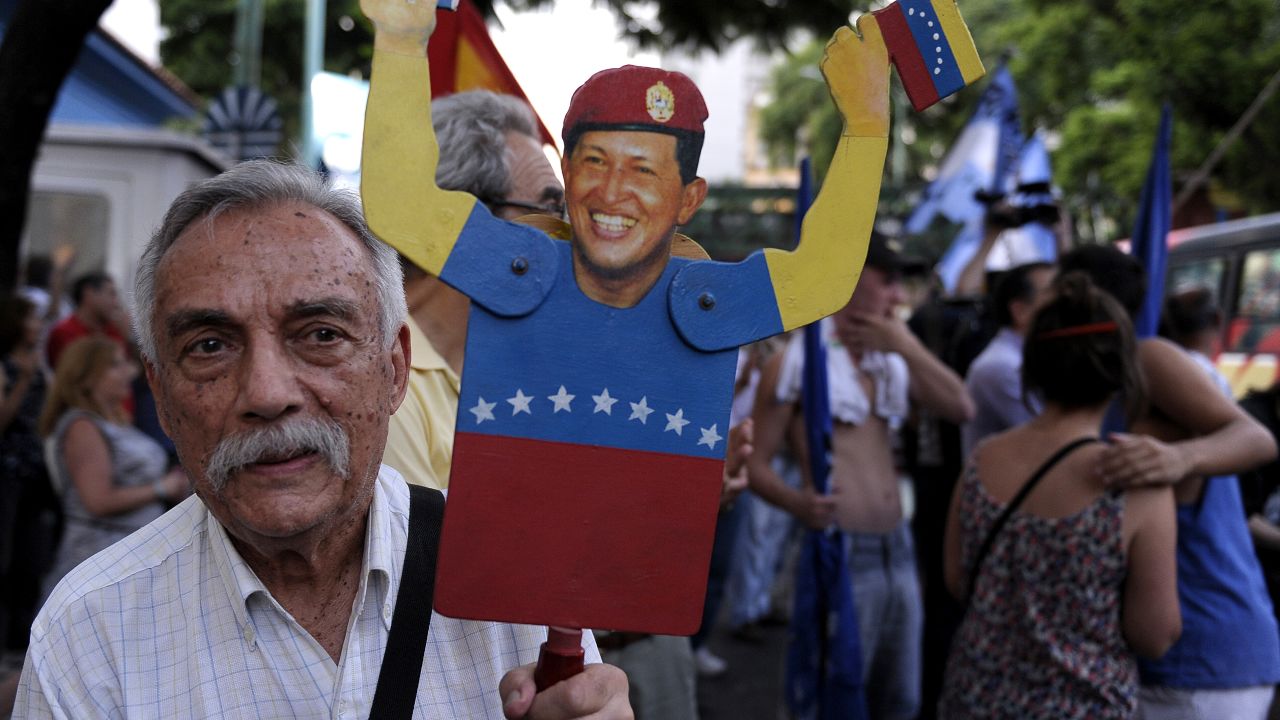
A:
(489, 147)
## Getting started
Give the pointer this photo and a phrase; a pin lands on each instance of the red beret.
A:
(637, 98)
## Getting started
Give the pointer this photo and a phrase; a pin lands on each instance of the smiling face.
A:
(264, 318)
(625, 199)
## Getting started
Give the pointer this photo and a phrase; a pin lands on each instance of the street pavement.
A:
(751, 688)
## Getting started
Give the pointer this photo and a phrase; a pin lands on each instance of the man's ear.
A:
(695, 193)
(401, 357)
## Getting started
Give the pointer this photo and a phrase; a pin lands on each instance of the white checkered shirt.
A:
(171, 622)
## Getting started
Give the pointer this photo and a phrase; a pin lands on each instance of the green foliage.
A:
(1095, 73)
(1092, 72)
(200, 47)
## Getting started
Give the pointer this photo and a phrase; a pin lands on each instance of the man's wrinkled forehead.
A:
(299, 255)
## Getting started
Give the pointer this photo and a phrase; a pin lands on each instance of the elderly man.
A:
(272, 324)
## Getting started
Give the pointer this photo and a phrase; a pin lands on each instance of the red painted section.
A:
(577, 536)
(906, 56)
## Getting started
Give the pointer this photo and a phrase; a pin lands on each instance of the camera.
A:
(1031, 202)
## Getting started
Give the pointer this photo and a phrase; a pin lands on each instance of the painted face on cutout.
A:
(625, 198)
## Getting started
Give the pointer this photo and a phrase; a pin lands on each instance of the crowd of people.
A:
(1042, 514)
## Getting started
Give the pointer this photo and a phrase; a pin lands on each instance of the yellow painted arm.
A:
(817, 278)
(402, 203)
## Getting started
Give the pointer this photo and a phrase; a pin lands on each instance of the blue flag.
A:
(824, 659)
(1151, 231)
(982, 158)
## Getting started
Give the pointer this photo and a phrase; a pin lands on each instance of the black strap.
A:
(985, 548)
(402, 663)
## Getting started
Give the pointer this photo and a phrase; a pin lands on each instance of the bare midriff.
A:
(864, 480)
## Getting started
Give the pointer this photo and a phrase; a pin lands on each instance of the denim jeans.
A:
(886, 591)
(762, 536)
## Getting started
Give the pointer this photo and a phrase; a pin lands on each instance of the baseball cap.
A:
(883, 255)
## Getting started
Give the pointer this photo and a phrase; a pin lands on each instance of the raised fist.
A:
(857, 73)
(408, 22)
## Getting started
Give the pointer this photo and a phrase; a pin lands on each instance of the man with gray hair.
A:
(489, 147)
(272, 326)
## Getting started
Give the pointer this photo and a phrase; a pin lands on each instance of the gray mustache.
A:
(279, 442)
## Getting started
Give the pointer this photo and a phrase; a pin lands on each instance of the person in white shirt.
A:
(273, 328)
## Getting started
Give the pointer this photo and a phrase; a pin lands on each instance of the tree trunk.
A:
(41, 43)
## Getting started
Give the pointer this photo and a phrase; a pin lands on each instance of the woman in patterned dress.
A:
(1081, 577)
(113, 477)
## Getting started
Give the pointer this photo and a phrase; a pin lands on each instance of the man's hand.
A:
(816, 511)
(735, 462)
(1135, 460)
(860, 332)
(401, 26)
(599, 691)
(857, 73)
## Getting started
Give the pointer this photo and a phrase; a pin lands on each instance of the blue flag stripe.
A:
(934, 48)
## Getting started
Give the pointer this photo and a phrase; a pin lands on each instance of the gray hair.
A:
(471, 129)
(254, 184)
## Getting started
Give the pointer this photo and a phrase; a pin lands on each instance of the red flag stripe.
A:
(906, 56)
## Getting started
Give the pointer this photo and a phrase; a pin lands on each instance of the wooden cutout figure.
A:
(598, 372)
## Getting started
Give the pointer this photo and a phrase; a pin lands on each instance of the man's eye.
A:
(207, 346)
(325, 335)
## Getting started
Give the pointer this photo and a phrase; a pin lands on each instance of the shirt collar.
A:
(242, 583)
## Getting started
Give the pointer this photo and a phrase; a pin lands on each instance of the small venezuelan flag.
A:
(931, 47)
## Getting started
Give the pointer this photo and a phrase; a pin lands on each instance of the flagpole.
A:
(312, 63)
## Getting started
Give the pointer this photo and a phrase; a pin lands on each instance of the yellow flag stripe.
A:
(961, 42)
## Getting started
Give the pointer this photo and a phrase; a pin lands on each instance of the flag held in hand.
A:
(931, 47)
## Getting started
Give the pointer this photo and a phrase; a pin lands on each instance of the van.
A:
(1239, 261)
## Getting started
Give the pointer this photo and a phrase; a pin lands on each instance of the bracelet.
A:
(157, 487)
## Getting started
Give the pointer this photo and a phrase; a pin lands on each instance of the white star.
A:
(604, 403)
(483, 410)
(562, 400)
(676, 422)
(641, 411)
(520, 403)
(709, 437)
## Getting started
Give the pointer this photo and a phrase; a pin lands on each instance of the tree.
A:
(40, 45)
(200, 46)
(1094, 73)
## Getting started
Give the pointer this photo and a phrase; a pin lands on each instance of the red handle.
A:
(560, 657)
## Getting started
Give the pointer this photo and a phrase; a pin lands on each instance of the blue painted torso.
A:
(635, 384)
